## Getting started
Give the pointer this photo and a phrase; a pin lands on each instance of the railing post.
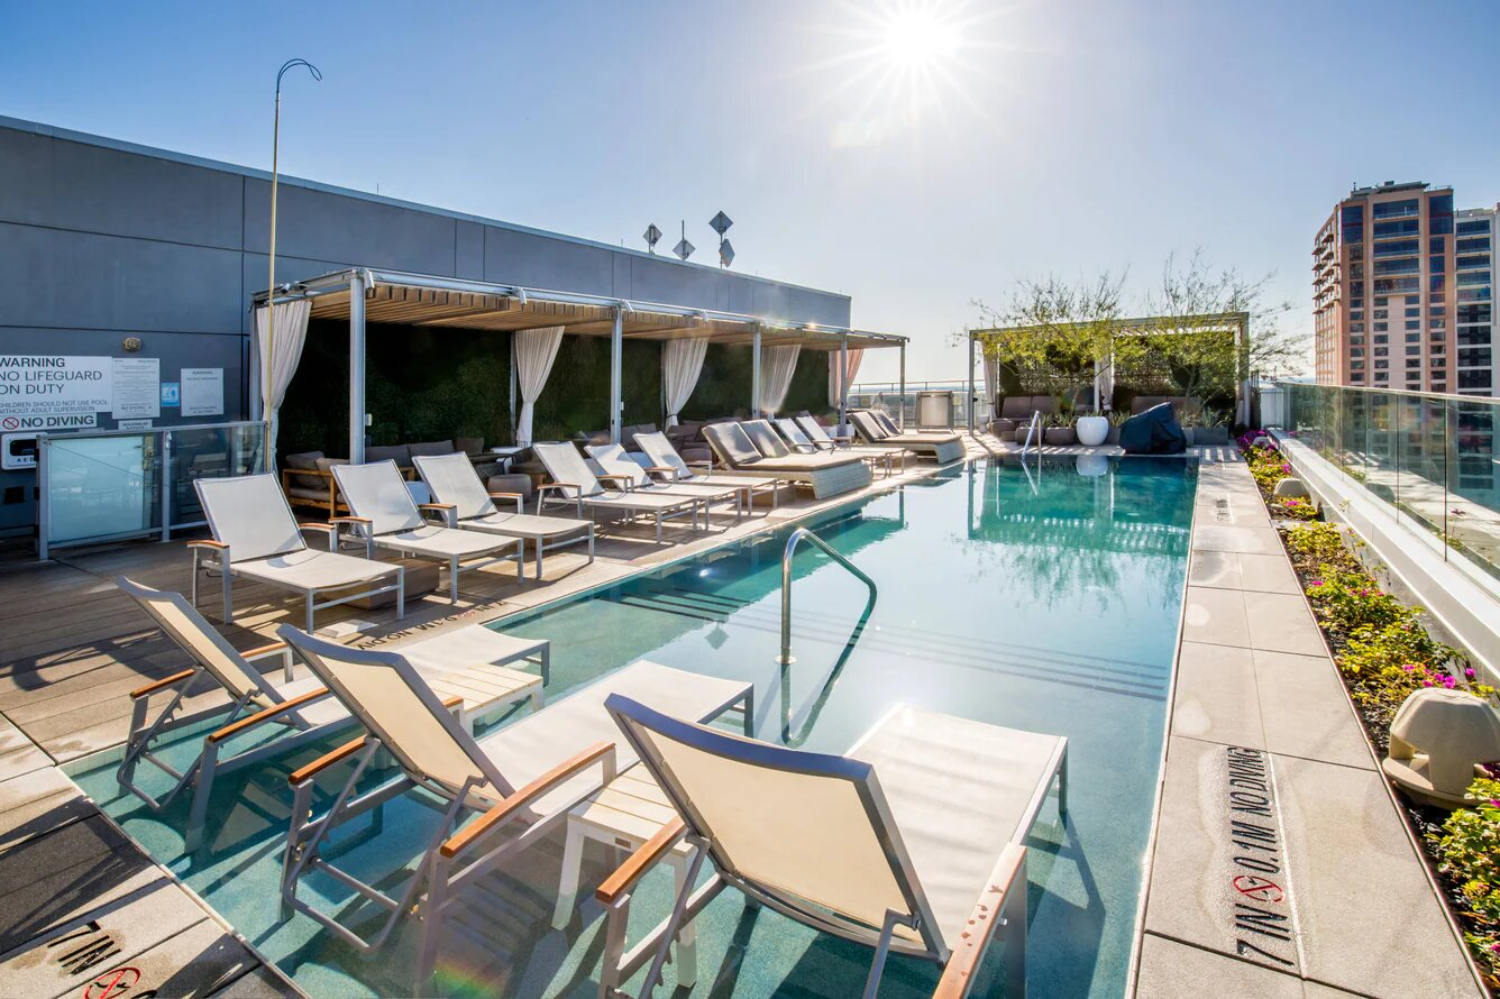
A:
(165, 456)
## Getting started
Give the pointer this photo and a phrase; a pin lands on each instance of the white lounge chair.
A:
(383, 515)
(828, 475)
(615, 462)
(256, 537)
(576, 483)
(465, 503)
(884, 457)
(877, 428)
(909, 844)
(666, 461)
(284, 713)
(529, 774)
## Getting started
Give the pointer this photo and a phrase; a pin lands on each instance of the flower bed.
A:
(1384, 654)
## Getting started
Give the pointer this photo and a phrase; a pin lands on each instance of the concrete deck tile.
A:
(1172, 970)
(1217, 698)
(24, 759)
(1282, 622)
(1370, 920)
(37, 803)
(1217, 569)
(1304, 712)
(1215, 617)
(1268, 574)
(66, 959)
(1251, 540)
(195, 962)
(259, 982)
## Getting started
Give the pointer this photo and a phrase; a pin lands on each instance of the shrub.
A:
(1319, 544)
(1293, 508)
(1349, 599)
(1469, 854)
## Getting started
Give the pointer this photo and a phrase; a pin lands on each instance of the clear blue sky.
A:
(1059, 135)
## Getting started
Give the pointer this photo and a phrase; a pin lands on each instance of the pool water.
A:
(1037, 597)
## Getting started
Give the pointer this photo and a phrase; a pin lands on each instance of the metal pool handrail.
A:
(796, 538)
(1034, 427)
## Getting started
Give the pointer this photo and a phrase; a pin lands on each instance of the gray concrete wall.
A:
(100, 240)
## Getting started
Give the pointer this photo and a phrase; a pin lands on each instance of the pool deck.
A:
(1256, 694)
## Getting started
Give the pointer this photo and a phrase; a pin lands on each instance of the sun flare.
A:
(918, 37)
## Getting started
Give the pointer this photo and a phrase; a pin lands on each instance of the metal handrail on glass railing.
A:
(797, 537)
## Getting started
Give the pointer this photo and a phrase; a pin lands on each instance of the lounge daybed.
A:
(827, 475)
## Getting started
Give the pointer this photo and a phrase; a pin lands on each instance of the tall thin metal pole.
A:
(268, 362)
(901, 420)
(357, 367)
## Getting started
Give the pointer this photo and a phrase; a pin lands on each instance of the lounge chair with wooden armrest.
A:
(754, 448)
(256, 537)
(384, 515)
(909, 844)
(518, 782)
(576, 483)
(465, 503)
(614, 461)
(877, 428)
(282, 711)
(886, 457)
(668, 464)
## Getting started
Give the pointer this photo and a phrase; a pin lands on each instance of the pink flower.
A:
(1316, 582)
(1426, 683)
(1449, 682)
(1286, 468)
(1469, 673)
(1409, 667)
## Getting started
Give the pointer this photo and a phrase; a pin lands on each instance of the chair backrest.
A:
(799, 827)
(180, 622)
(564, 464)
(378, 493)
(249, 513)
(663, 455)
(613, 459)
(867, 427)
(731, 444)
(886, 423)
(1016, 407)
(390, 698)
(452, 479)
(794, 434)
(765, 439)
(815, 432)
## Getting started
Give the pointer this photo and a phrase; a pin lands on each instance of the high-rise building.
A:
(1474, 289)
(1383, 289)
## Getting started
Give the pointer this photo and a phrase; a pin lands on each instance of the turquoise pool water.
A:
(1039, 598)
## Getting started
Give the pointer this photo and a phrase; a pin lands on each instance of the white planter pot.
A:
(1092, 430)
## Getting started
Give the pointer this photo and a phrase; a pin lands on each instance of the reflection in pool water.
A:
(1042, 597)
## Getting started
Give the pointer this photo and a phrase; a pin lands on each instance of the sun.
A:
(918, 37)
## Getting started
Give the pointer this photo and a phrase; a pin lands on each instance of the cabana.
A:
(539, 318)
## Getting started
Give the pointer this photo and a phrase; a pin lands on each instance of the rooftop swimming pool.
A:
(1043, 598)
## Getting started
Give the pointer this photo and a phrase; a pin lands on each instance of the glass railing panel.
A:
(1473, 502)
(208, 453)
(101, 487)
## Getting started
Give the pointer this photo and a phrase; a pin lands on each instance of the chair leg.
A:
(567, 886)
(877, 966)
(400, 592)
(207, 766)
(591, 544)
(310, 611)
(453, 580)
(228, 594)
(541, 546)
(521, 558)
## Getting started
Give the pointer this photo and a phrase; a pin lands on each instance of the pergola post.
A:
(616, 359)
(970, 406)
(357, 367)
(843, 379)
(901, 418)
(755, 374)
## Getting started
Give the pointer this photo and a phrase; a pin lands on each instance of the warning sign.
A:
(15, 424)
(55, 385)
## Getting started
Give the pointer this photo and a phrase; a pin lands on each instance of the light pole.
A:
(266, 362)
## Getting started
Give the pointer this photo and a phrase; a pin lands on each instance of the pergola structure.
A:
(365, 295)
(1236, 323)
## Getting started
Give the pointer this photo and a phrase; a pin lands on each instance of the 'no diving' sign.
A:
(14, 424)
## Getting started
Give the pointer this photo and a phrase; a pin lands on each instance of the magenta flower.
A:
(1449, 682)
(1469, 673)
(1426, 683)
(1316, 582)
(1409, 667)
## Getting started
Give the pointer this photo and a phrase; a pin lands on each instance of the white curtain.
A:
(835, 384)
(776, 367)
(535, 351)
(681, 363)
(280, 346)
(991, 368)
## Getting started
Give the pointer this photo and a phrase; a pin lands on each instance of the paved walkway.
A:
(1281, 867)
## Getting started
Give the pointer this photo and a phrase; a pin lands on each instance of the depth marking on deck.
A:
(1251, 864)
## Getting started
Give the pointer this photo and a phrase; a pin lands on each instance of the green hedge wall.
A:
(425, 384)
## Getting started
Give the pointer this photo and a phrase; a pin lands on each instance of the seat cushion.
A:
(399, 453)
(430, 449)
(468, 445)
(309, 461)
